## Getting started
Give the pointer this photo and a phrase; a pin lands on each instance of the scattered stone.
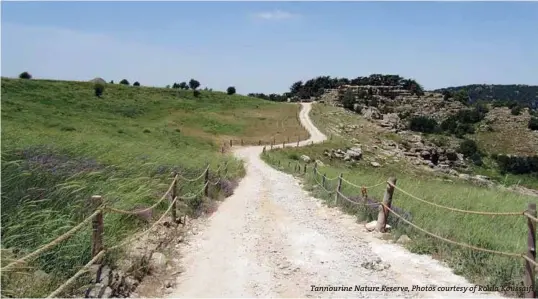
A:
(319, 163)
(375, 164)
(403, 239)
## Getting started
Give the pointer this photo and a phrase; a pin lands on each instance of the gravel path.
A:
(271, 239)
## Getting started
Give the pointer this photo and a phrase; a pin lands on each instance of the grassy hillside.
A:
(492, 232)
(61, 144)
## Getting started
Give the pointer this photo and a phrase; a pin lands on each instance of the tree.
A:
(516, 110)
(423, 124)
(124, 82)
(168, 86)
(196, 93)
(98, 86)
(193, 84)
(230, 90)
(296, 87)
(348, 99)
(25, 75)
(182, 85)
(447, 95)
(136, 84)
(111, 81)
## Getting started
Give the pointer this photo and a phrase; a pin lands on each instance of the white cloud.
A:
(276, 15)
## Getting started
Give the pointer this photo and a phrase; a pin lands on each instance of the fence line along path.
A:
(98, 225)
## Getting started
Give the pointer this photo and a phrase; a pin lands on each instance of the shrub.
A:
(516, 110)
(533, 123)
(516, 164)
(468, 148)
(25, 75)
(423, 124)
(230, 90)
(196, 93)
(183, 85)
(348, 100)
(124, 82)
(136, 84)
(111, 81)
(476, 158)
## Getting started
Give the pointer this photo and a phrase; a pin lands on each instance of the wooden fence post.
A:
(283, 144)
(315, 169)
(338, 189)
(174, 194)
(304, 170)
(97, 226)
(531, 253)
(323, 180)
(259, 142)
(272, 144)
(206, 182)
(383, 214)
(225, 168)
(289, 163)
(298, 138)
(231, 142)
(241, 141)
(288, 139)
(274, 140)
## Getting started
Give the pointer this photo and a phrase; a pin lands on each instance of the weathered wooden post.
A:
(260, 142)
(206, 182)
(289, 164)
(241, 141)
(231, 142)
(174, 194)
(272, 145)
(323, 180)
(274, 140)
(97, 225)
(283, 144)
(315, 169)
(531, 253)
(298, 138)
(225, 168)
(288, 139)
(338, 189)
(263, 151)
(304, 170)
(383, 214)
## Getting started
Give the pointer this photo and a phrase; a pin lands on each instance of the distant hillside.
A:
(526, 95)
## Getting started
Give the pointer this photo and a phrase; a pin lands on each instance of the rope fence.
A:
(385, 208)
(98, 250)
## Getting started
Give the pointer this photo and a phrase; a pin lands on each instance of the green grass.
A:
(492, 232)
(61, 144)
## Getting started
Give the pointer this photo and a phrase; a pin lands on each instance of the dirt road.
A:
(271, 239)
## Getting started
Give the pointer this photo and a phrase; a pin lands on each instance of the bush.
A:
(98, 86)
(533, 123)
(196, 93)
(468, 148)
(136, 84)
(516, 164)
(423, 124)
(476, 158)
(25, 75)
(516, 110)
(348, 100)
(230, 90)
(111, 81)
(124, 82)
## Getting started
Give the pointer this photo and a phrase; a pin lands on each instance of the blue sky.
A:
(266, 46)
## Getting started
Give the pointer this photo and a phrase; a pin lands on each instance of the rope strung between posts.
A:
(321, 185)
(326, 178)
(530, 216)
(147, 209)
(195, 179)
(360, 187)
(509, 254)
(193, 195)
(136, 236)
(358, 203)
(83, 270)
(455, 209)
(53, 243)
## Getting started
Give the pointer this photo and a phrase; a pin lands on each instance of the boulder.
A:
(319, 163)
(354, 153)
(157, 261)
(371, 113)
(305, 158)
(375, 164)
(403, 239)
